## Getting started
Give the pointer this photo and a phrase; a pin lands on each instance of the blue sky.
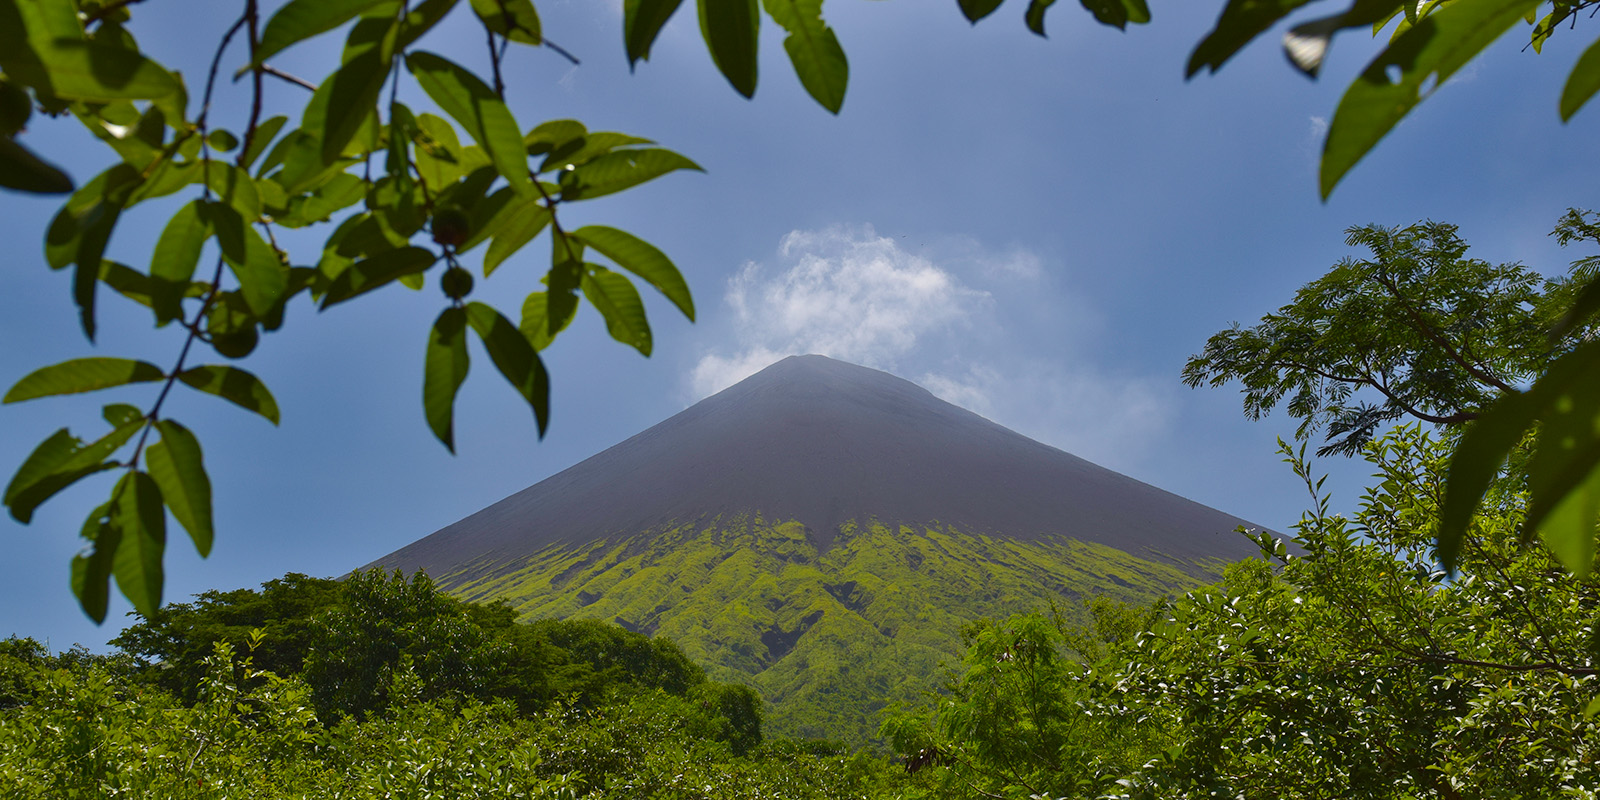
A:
(1039, 230)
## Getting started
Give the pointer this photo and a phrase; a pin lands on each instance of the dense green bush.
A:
(1356, 668)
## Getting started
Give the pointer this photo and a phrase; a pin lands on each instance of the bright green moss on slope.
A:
(828, 638)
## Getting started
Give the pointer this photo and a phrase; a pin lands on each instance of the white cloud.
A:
(848, 293)
(1109, 419)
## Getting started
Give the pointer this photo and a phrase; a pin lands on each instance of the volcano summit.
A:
(823, 530)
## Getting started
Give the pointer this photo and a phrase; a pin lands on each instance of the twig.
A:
(284, 76)
(560, 50)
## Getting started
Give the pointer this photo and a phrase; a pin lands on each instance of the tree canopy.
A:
(1418, 331)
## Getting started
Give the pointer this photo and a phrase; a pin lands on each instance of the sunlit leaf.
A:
(176, 465)
(1474, 465)
(444, 369)
(520, 227)
(234, 385)
(176, 255)
(515, 358)
(262, 275)
(82, 375)
(299, 20)
(90, 72)
(484, 116)
(236, 188)
(536, 323)
(1428, 54)
(60, 461)
(619, 170)
(584, 148)
(374, 272)
(91, 572)
(641, 258)
(1582, 82)
(514, 19)
(137, 512)
(618, 303)
(265, 133)
(731, 30)
(352, 101)
(818, 59)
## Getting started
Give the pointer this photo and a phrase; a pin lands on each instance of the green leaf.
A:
(1582, 82)
(234, 385)
(176, 465)
(518, 229)
(299, 20)
(265, 133)
(563, 280)
(90, 72)
(1568, 529)
(23, 171)
(352, 101)
(616, 171)
(1034, 18)
(1307, 44)
(176, 255)
(1430, 52)
(618, 302)
(641, 258)
(1241, 21)
(1583, 307)
(137, 512)
(444, 369)
(59, 462)
(975, 10)
(584, 148)
(82, 375)
(514, 19)
(262, 275)
(555, 136)
(818, 59)
(235, 187)
(91, 573)
(374, 272)
(80, 231)
(516, 359)
(1484, 447)
(1118, 13)
(641, 23)
(536, 323)
(731, 29)
(474, 105)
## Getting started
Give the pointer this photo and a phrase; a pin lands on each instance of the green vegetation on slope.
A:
(830, 638)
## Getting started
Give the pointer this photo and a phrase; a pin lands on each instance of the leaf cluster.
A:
(1416, 331)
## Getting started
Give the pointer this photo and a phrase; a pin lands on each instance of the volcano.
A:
(822, 531)
(824, 442)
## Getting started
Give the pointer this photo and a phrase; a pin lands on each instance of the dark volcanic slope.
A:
(822, 441)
